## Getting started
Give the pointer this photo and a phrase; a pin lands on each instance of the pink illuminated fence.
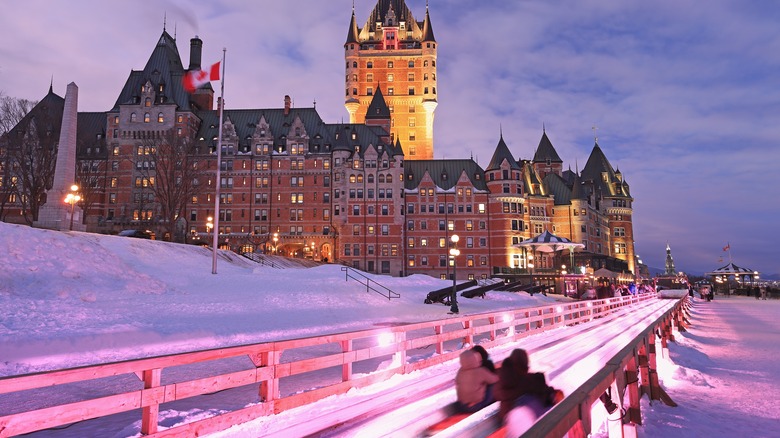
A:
(270, 373)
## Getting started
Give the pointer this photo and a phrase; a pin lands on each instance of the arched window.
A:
(425, 63)
(369, 64)
(133, 117)
(370, 178)
(147, 102)
(381, 178)
(160, 118)
(354, 64)
(147, 117)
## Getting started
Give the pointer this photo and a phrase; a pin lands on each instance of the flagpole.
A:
(218, 182)
(728, 245)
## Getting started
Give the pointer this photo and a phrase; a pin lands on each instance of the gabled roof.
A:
(378, 108)
(500, 154)
(163, 67)
(245, 121)
(545, 151)
(557, 187)
(444, 173)
(533, 184)
(47, 114)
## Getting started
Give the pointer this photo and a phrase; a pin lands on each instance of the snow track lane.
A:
(419, 402)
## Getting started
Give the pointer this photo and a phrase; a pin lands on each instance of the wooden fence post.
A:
(439, 329)
(634, 395)
(269, 389)
(149, 414)
(400, 356)
(655, 386)
(346, 368)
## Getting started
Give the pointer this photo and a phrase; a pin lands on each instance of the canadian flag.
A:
(197, 78)
(727, 247)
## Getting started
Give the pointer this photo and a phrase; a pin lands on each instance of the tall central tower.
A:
(396, 53)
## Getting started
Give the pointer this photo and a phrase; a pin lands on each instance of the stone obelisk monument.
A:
(56, 213)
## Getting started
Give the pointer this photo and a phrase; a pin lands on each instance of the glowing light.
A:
(385, 339)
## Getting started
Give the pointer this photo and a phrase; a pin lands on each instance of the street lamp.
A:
(72, 198)
(209, 225)
(454, 252)
(276, 239)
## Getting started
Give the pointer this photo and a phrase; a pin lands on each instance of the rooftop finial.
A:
(543, 129)
(165, 20)
(500, 130)
(353, 7)
(595, 137)
(315, 103)
(51, 84)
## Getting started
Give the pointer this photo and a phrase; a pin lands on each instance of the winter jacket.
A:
(472, 379)
(516, 381)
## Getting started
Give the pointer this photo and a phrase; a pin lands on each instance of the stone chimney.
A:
(196, 48)
(286, 105)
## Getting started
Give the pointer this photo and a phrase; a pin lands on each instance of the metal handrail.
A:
(385, 292)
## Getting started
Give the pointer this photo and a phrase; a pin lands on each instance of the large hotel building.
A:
(367, 194)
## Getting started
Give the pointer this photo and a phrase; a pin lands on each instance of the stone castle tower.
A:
(397, 54)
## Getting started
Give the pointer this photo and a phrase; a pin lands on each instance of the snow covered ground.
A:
(70, 299)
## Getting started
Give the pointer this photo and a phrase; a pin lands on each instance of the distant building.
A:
(350, 193)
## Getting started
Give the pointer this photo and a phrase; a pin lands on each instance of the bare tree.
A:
(174, 173)
(91, 178)
(31, 156)
(12, 111)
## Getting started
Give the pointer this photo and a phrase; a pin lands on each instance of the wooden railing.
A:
(630, 370)
(165, 379)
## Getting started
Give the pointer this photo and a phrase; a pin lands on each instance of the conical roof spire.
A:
(352, 34)
(427, 34)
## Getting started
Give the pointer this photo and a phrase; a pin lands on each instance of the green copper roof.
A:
(444, 173)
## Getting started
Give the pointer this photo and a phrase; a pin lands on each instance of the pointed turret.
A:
(378, 108)
(352, 33)
(427, 32)
(502, 153)
(545, 151)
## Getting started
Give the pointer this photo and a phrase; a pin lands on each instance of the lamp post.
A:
(72, 198)
(276, 239)
(209, 225)
(454, 253)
